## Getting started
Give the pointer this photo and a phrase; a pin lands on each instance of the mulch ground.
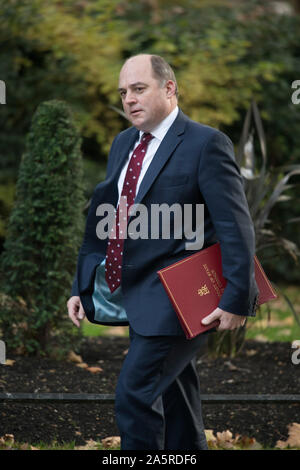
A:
(260, 368)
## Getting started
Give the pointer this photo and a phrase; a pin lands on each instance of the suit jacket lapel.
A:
(168, 145)
(125, 152)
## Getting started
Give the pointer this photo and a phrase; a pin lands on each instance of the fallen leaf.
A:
(210, 435)
(251, 352)
(94, 370)
(230, 365)
(83, 365)
(224, 436)
(261, 338)
(225, 440)
(7, 441)
(89, 445)
(249, 443)
(73, 357)
(112, 441)
(9, 362)
(294, 437)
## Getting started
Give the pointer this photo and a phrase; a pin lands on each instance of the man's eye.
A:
(139, 89)
(122, 94)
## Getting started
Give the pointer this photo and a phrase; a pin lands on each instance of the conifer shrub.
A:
(43, 235)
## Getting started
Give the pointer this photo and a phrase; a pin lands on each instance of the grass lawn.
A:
(275, 321)
(90, 329)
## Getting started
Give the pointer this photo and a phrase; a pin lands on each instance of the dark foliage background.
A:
(224, 53)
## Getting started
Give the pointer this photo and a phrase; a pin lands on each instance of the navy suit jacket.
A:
(194, 164)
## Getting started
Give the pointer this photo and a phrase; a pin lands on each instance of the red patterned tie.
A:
(114, 252)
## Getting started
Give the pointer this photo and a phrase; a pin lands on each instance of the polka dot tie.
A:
(114, 252)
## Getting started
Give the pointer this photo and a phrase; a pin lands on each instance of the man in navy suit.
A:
(157, 396)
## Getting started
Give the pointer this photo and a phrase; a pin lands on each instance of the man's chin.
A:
(139, 124)
(139, 128)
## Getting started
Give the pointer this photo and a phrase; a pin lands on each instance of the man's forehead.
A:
(135, 81)
(136, 71)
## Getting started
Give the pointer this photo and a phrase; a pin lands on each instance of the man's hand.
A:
(75, 310)
(228, 321)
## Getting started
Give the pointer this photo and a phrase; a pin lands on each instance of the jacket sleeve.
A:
(222, 188)
(109, 170)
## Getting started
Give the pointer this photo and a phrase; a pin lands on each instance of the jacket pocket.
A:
(166, 181)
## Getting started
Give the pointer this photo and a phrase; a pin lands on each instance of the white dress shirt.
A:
(158, 134)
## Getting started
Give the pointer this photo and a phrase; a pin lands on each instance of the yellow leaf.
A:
(73, 357)
(83, 365)
(89, 445)
(224, 436)
(112, 441)
(293, 439)
(94, 370)
(9, 362)
(251, 352)
(210, 435)
(7, 441)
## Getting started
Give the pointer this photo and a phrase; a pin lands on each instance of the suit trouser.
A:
(158, 402)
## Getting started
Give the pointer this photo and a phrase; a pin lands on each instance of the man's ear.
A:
(170, 88)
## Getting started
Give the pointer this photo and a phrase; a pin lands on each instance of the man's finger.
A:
(81, 313)
(210, 318)
(75, 321)
(74, 305)
(74, 317)
(73, 309)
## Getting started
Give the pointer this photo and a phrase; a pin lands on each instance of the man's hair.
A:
(162, 71)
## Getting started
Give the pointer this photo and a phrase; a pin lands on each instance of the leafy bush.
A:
(264, 189)
(44, 232)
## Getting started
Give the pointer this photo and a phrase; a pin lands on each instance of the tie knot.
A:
(146, 137)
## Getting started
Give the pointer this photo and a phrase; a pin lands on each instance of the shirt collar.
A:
(160, 131)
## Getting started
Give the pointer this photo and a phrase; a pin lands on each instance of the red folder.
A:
(195, 286)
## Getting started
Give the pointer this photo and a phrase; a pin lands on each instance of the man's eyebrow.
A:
(133, 85)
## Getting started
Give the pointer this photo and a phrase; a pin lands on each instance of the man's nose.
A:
(130, 98)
